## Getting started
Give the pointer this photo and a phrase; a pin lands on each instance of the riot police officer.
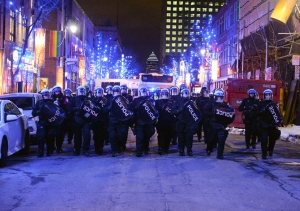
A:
(109, 93)
(217, 126)
(165, 106)
(201, 102)
(99, 126)
(117, 129)
(143, 130)
(249, 109)
(69, 116)
(89, 93)
(81, 125)
(57, 96)
(175, 97)
(185, 131)
(45, 132)
(268, 121)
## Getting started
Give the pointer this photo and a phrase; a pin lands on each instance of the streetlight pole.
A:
(62, 58)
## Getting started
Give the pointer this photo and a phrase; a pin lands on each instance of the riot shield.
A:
(224, 114)
(190, 113)
(52, 113)
(120, 108)
(147, 113)
(89, 111)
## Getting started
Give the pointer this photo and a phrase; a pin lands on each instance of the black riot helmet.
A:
(185, 93)
(124, 88)
(164, 92)
(182, 87)
(268, 92)
(68, 92)
(174, 91)
(81, 91)
(218, 94)
(108, 89)
(45, 93)
(98, 92)
(116, 90)
(252, 91)
(143, 91)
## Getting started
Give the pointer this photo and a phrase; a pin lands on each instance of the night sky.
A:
(139, 22)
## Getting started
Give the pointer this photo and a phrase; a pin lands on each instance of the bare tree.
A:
(41, 13)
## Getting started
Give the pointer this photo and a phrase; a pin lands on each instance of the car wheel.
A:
(4, 152)
(26, 149)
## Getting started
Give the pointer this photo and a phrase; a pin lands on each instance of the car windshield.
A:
(26, 103)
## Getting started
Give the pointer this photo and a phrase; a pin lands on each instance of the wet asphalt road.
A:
(169, 182)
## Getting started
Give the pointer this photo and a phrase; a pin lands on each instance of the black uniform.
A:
(117, 132)
(45, 132)
(143, 130)
(81, 126)
(176, 100)
(109, 98)
(216, 130)
(201, 102)
(163, 126)
(185, 131)
(99, 127)
(68, 123)
(267, 128)
(59, 137)
(249, 109)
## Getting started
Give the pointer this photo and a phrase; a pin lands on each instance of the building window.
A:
(204, 9)
(173, 32)
(173, 44)
(179, 34)
(174, 27)
(174, 8)
(210, 10)
(180, 2)
(204, 15)
(167, 32)
(198, 15)
(192, 15)
(173, 38)
(168, 26)
(167, 38)
(187, 3)
(174, 21)
(216, 3)
(192, 9)
(12, 26)
(167, 50)
(168, 14)
(191, 33)
(186, 33)
(168, 2)
(216, 10)
(167, 44)
(179, 50)
(180, 9)
(174, 2)
(192, 21)
(198, 3)
(192, 3)
(185, 45)
(168, 20)
(168, 8)
(179, 45)
(179, 38)
(187, 9)
(180, 21)
(174, 14)
(179, 26)
(211, 4)
(198, 9)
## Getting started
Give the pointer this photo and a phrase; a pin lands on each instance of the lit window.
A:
(174, 2)
(192, 3)
(167, 44)
(193, 9)
(167, 38)
(179, 33)
(216, 10)
(186, 33)
(179, 50)
(210, 9)
(168, 14)
(204, 15)
(180, 2)
(198, 9)
(168, 26)
(211, 4)
(167, 32)
(173, 38)
(174, 27)
(192, 21)
(180, 8)
(192, 33)
(216, 3)
(179, 26)
(173, 50)
(204, 9)
(187, 3)
(167, 50)
(168, 20)
(185, 45)
(168, 8)
(173, 32)
(174, 21)
(179, 39)
(192, 15)
(168, 2)
(173, 44)
(174, 8)
(174, 14)
(180, 21)
(179, 44)
(187, 9)
(198, 15)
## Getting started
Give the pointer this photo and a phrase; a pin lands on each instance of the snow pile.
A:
(238, 131)
(290, 133)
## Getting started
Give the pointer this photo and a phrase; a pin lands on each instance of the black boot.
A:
(40, 153)
(190, 152)
(181, 152)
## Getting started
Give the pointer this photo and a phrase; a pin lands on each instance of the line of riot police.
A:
(175, 115)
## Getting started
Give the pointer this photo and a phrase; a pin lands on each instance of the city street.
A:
(243, 181)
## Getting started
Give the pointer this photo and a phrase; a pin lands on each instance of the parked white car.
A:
(26, 101)
(14, 133)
